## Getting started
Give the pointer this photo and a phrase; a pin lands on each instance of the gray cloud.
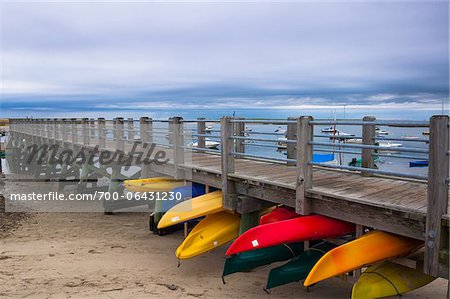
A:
(272, 53)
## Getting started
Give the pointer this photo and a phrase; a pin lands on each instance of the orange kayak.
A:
(368, 249)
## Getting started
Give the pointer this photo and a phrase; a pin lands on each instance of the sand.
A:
(73, 255)
(79, 255)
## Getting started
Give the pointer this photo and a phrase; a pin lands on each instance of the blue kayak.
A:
(186, 192)
(418, 163)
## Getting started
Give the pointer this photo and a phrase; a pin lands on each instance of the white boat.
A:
(208, 128)
(209, 144)
(378, 131)
(353, 140)
(329, 130)
(281, 143)
(341, 135)
(389, 144)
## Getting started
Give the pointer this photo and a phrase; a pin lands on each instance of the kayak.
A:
(298, 268)
(423, 163)
(372, 247)
(278, 214)
(245, 261)
(313, 227)
(203, 205)
(389, 279)
(183, 193)
(159, 184)
(213, 231)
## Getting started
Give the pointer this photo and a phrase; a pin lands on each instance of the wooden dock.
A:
(403, 204)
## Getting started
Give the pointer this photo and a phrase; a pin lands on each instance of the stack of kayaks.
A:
(389, 279)
(298, 268)
(313, 227)
(245, 261)
(277, 241)
(217, 228)
(280, 237)
(182, 193)
(371, 248)
(157, 184)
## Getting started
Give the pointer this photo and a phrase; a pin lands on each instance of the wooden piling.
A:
(227, 147)
(438, 173)
(305, 172)
(368, 138)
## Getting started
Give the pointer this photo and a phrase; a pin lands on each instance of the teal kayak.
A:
(248, 260)
(298, 268)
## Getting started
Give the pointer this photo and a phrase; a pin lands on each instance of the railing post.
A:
(130, 126)
(228, 186)
(64, 130)
(55, 128)
(92, 125)
(170, 131)
(178, 151)
(145, 131)
(85, 131)
(47, 128)
(120, 143)
(305, 172)
(368, 138)
(438, 172)
(239, 130)
(74, 131)
(290, 135)
(201, 125)
(101, 126)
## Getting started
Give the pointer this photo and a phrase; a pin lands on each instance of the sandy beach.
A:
(74, 255)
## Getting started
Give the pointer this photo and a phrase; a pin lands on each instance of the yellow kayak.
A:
(371, 248)
(199, 206)
(388, 279)
(213, 231)
(159, 184)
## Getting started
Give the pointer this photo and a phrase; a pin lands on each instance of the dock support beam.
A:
(305, 172)
(227, 147)
(438, 173)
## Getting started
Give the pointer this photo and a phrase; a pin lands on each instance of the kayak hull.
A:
(298, 268)
(203, 205)
(278, 214)
(185, 193)
(245, 261)
(159, 184)
(313, 227)
(389, 279)
(371, 248)
(210, 233)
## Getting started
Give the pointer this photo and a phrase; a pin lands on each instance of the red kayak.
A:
(312, 227)
(280, 213)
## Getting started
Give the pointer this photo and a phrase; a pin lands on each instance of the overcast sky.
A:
(143, 55)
